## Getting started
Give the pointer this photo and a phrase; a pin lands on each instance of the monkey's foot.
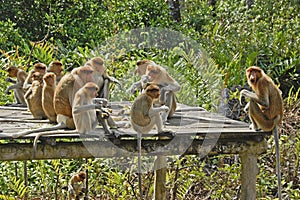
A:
(166, 134)
(253, 127)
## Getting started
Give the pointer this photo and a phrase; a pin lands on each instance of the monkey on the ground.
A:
(84, 112)
(38, 67)
(20, 75)
(49, 85)
(76, 186)
(33, 96)
(151, 72)
(265, 108)
(57, 68)
(143, 115)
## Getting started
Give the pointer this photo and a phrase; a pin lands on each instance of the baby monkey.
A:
(143, 115)
(76, 186)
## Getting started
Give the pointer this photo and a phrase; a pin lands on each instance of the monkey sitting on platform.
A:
(143, 116)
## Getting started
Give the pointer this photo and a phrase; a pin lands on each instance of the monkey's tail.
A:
(276, 138)
(27, 132)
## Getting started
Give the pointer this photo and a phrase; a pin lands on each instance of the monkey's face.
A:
(153, 72)
(49, 79)
(82, 176)
(253, 74)
(12, 71)
(153, 91)
(86, 74)
(92, 89)
(40, 67)
(56, 68)
(142, 66)
(97, 64)
(37, 76)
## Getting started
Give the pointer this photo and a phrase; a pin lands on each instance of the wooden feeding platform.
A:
(196, 132)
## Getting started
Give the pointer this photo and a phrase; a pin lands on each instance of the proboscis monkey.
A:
(141, 71)
(65, 92)
(143, 115)
(57, 68)
(38, 67)
(76, 186)
(151, 72)
(265, 108)
(15, 72)
(84, 112)
(49, 86)
(33, 96)
(63, 100)
(103, 79)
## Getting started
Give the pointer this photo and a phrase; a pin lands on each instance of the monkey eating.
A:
(151, 72)
(14, 72)
(265, 108)
(76, 186)
(84, 113)
(143, 115)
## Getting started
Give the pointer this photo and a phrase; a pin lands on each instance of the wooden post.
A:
(25, 180)
(249, 155)
(160, 167)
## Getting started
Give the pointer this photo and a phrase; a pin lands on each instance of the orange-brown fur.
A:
(65, 91)
(143, 115)
(143, 103)
(86, 120)
(265, 106)
(49, 81)
(38, 67)
(34, 96)
(161, 77)
(76, 185)
(57, 68)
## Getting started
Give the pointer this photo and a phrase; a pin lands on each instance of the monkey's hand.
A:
(144, 80)
(242, 94)
(132, 89)
(7, 91)
(164, 108)
(71, 190)
(101, 101)
(10, 80)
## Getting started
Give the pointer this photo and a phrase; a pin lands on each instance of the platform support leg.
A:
(160, 167)
(249, 155)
